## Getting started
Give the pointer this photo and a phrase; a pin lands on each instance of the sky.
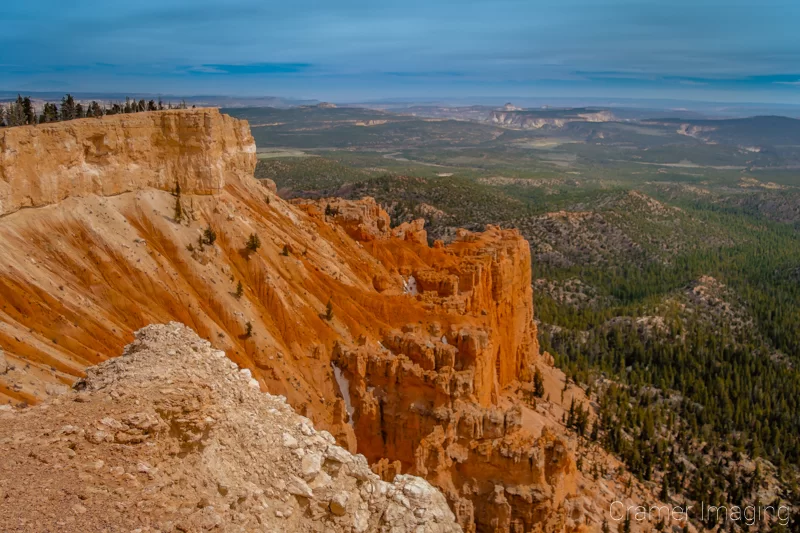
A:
(357, 50)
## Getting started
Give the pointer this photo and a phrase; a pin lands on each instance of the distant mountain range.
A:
(759, 130)
(640, 107)
(633, 108)
(198, 100)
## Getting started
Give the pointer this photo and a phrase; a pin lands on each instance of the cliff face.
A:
(429, 399)
(417, 365)
(42, 165)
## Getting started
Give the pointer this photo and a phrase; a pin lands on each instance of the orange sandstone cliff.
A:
(409, 354)
(107, 156)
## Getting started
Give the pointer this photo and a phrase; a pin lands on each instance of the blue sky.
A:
(357, 49)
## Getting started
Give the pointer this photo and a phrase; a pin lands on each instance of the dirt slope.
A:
(174, 437)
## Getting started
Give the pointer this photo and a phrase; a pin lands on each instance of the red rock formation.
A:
(412, 365)
(199, 149)
(429, 394)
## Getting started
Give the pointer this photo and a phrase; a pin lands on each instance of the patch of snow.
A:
(344, 388)
(410, 286)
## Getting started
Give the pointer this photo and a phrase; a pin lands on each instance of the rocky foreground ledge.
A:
(174, 437)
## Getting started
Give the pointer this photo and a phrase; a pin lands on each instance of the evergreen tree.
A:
(209, 236)
(15, 113)
(571, 414)
(178, 213)
(68, 111)
(178, 210)
(94, 110)
(49, 113)
(253, 243)
(28, 109)
(538, 381)
(581, 420)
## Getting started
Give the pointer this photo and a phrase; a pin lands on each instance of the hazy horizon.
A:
(355, 51)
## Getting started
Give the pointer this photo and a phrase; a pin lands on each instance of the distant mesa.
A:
(516, 118)
(326, 105)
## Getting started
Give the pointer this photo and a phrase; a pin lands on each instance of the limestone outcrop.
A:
(173, 436)
(521, 119)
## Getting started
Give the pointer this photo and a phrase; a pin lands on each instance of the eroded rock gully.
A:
(416, 366)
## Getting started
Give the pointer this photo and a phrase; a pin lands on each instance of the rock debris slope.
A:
(173, 436)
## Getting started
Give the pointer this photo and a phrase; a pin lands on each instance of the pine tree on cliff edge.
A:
(178, 212)
(68, 111)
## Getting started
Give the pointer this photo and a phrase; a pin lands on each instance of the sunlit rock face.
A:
(94, 249)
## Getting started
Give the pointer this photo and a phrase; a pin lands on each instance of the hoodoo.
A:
(409, 354)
